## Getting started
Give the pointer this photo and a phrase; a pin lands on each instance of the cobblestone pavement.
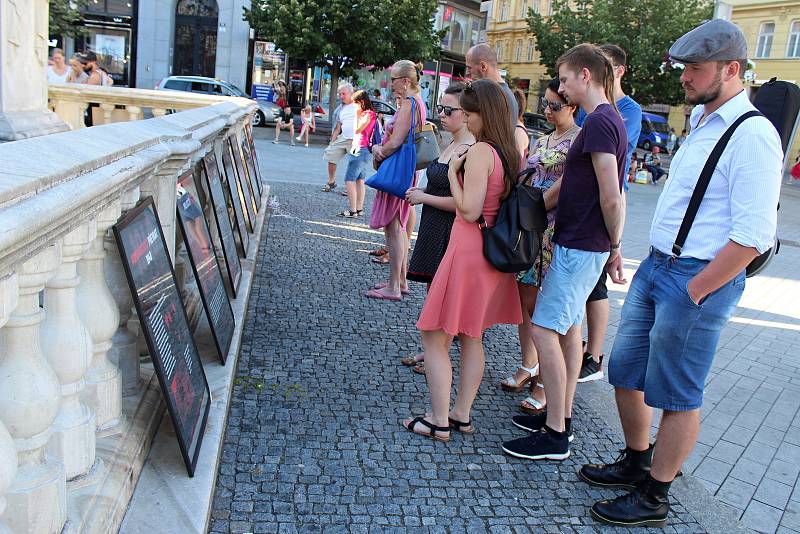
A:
(314, 441)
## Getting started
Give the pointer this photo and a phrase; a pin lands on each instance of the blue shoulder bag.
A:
(396, 173)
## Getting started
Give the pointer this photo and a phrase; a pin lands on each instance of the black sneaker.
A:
(647, 505)
(542, 445)
(590, 369)
(535, 423)
(630, 468)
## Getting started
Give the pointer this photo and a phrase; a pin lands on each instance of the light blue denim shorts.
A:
(561, 302)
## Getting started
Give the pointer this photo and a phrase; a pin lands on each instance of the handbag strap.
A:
(413, 116)
(481, 221)
(703, 181)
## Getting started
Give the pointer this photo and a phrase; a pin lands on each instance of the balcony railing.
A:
(75, 423)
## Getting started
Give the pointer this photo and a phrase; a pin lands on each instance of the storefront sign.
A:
(205, 266)
(223, 222)
(263, 91)
(166, 329)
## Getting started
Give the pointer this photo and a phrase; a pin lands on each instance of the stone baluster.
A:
(133, 112)
(99, 314)
(108, 109)
(8, 453)
(159, 112)
(68, 347)
(124, 348)
(71, 112)
(29, 401)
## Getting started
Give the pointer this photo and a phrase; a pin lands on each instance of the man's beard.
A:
(710, 95)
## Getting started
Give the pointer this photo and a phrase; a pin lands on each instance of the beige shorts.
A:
(337, 150)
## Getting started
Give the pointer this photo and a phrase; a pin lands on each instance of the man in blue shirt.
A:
(597, 307)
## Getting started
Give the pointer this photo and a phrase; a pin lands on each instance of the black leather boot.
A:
(647, 505)
(630, 468)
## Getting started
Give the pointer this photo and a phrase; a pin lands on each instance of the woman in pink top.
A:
(358, 161)
(388, 211)
(468, 294)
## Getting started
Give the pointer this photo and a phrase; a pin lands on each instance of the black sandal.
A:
(458, 425)
(359, 213)
(347, 213)
(433, 428)
(329, 187)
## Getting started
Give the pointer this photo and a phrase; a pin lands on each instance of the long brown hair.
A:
(487, 98)
(591, 57)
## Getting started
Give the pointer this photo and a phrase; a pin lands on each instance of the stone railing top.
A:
(147, 98)
(51, 184)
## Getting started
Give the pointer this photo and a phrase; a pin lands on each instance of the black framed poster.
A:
(248, 130)
(205, 266)
(244, 176)
(251, 170)
(235, 211)
(166, 329)
(239, 195)
(223, 222)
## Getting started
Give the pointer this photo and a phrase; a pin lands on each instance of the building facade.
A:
(507, 32)
(772, 29)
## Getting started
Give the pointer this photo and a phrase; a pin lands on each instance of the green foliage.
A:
(348, 32)
(66, 19)
(645, 29)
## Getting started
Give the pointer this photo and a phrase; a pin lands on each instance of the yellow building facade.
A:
(507, 32)
(772, 29)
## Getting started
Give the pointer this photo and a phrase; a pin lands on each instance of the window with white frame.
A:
(518, 51)
(793, 49)
(535, 5)
(498, 50)
(523, 9)
(531, 50)
(504, 10)
(765, 35)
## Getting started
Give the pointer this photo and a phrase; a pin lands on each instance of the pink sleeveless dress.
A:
(468, 295)
(386, 207)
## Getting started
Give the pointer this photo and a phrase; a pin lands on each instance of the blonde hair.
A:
(412, 71)
(307, 108)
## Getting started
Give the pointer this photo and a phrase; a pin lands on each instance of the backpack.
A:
(514, 242)
(376, 138)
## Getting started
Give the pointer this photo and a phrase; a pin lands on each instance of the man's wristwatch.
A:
(615, 246)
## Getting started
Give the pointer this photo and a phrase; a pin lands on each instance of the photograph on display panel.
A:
(205, 265)
(151, 278)
(244, 179)
(259, 180)
(251, 171)
(239, 217)
(238, 195)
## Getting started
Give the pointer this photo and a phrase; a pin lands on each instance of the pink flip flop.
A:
(383, 285)
(376, 294)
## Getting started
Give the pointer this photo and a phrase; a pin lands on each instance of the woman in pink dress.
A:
(468, 295)
(388, 211)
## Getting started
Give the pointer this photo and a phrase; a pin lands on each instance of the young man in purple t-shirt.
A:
(587, 239)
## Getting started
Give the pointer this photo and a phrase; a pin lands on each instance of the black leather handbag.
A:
(515, 240)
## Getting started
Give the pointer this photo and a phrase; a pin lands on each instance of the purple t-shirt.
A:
(579, 220)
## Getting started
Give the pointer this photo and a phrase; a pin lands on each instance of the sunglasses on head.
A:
(447, 110)
(555, 107)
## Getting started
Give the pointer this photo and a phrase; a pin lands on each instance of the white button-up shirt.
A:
(741, 201)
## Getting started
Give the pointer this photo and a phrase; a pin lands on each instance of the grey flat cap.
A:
(715, 40)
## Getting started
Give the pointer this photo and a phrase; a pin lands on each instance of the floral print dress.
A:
(548, 163)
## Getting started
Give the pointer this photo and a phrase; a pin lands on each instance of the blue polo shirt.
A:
(631, 113)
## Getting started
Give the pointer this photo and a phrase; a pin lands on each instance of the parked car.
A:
(655, 132)
(267, 111)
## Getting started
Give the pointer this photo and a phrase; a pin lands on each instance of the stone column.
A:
(29, 401)
(124, 348)
(23, 76)
(68, 347)
(99, 314)
(8, 453)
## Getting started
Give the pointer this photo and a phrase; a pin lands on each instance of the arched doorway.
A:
(195, 38)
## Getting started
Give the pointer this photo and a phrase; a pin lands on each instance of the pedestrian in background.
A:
(390, 212)
(358, 162)
(285, 122)
(438, 206)
(97, 76)
(547, 162)
(468, 295)
(307, 123)
(521, 136)
(481, 61)
(76, 73)
(58, 72)
(342, 134)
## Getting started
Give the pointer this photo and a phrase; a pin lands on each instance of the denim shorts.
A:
(665, 342)
(357, 166)
(561, 302)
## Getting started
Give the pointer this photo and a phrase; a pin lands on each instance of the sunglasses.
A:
(398, 78)
(447, 110)
(555, 107)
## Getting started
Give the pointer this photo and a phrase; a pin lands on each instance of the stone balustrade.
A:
(119, 104)
(68, 359)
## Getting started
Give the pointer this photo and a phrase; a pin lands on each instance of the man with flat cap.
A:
(683, 295)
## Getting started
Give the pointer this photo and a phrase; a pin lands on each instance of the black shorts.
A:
(600, 291)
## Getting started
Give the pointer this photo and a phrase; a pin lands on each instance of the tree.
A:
(645, 29)
(347, 34)
(66, 18)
